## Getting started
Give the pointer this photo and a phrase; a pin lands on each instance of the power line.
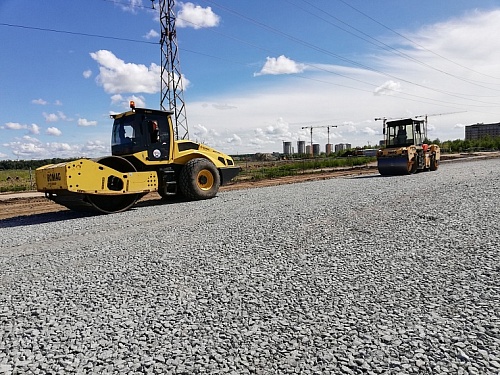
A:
(255, 46)
(410, 97)
(413, 42)
(441, 102)
(322, 50)
(128, 5)
(77, 33)
(239, 40)
(380, 44)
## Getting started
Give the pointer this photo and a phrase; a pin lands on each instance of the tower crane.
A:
(317, 127)
(435, 114)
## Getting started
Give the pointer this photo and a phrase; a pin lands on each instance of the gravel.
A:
(367, 275)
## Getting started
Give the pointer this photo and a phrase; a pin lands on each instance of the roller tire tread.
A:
(434, 163)
(187, 179)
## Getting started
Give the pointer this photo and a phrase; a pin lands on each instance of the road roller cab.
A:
(405, 150)
(142, 130)
(145, 158)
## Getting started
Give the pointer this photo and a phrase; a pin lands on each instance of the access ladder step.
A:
(169, 182)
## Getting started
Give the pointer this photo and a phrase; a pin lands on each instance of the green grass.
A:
(12, 180)
(265, 170)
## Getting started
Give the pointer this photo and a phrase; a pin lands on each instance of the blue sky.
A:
(255, 72)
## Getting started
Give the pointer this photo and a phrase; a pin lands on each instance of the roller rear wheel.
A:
(199, 179)
(434, 163)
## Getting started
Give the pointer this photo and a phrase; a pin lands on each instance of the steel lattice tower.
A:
(171, 78)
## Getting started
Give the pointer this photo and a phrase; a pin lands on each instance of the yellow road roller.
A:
(405, 151)
(145, 158)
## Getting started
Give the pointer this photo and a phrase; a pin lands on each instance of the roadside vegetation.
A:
(460, 146)
(16, 180)
(253, 170)
(19, 175)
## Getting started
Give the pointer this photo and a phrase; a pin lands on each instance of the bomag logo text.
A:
(51, 177)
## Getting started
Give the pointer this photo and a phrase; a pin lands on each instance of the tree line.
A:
(487, 143)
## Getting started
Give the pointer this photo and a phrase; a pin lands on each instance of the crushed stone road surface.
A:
(363, 275)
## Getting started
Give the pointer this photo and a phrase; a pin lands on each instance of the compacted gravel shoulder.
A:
(364, 275)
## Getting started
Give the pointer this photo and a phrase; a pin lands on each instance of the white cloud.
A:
(34, 129)
(85, 122)
(195, 16)
(93, 147)
(118, 77)
(131, 6)
(32, 148)
(15, 126)
(280, 65)
(200, 130)
(61, 115)
(117, 99)
(152, 34)
(50, 117)
(39, 101)
(388, 88)
(223, 106)
(369, 131)
(29, 139)
(87, 73)
(58, 102)
(279, 129)
(57, 147)
(27, 149)
(234, 139)
(53, 131)
(471, 33)
(202, 134)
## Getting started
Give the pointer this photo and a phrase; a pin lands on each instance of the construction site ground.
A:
(34, 203)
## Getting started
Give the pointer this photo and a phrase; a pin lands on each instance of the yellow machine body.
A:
(405, 151)
(148, 160)
(86, 176)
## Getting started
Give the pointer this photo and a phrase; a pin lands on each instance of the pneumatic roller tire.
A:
(434, 163)
(199, 179)
(413, 166)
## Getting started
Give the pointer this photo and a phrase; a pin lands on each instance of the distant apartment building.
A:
(342, 146)
(478, 131)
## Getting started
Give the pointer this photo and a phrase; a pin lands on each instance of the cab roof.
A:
(142, 110)
(405, 121)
